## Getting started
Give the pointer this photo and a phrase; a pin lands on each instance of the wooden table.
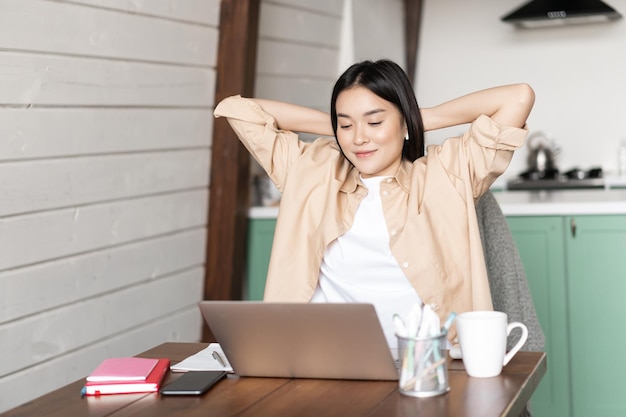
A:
(504, 395)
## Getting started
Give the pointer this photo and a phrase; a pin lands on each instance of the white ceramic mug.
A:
(483, 337)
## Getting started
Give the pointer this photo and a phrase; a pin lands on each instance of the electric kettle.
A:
(542, 152)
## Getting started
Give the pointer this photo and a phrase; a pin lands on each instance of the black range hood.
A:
(539, 13)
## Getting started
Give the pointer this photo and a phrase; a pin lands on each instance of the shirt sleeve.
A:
(481, 155)
(273, 149)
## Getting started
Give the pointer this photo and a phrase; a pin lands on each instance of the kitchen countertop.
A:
(533, 203)
(562, 202)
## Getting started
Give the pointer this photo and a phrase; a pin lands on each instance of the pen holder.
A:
(423, 366)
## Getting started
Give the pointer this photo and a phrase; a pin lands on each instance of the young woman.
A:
(367, 217)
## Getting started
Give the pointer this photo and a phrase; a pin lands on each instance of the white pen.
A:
(219, 358)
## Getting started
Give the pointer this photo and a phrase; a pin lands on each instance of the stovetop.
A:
(554, 180)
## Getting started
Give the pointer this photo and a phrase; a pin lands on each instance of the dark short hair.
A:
(388, 81)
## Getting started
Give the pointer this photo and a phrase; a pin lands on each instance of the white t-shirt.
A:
(359, 266)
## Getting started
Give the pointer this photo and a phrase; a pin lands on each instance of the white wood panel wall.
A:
(298, 51)
(105, 136)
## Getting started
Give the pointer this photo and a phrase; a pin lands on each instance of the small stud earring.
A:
(406, 137)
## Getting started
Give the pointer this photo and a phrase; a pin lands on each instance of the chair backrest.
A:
(507, 280)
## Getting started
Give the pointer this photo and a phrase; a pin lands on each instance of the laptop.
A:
(301, 340)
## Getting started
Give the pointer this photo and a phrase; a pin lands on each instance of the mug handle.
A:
(519, 343)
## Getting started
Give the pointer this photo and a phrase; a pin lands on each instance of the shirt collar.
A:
(402, 176)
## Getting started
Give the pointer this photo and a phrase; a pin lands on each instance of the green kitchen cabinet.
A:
(542, 250)
(596, 262)
(576, 268)
(260, 237)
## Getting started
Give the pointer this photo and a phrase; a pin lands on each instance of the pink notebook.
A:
(123, 369)
(151, 384)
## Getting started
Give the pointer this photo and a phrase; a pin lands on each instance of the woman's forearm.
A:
(297, 118)
(507, 105)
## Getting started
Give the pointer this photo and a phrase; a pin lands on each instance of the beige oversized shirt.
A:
(428, 207)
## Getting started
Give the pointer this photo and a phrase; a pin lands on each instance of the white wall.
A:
(105, 134)
(578, 73)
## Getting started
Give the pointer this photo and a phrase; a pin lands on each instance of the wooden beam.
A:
(230, 161)
(412, 20)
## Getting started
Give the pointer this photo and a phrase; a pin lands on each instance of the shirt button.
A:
(385, 192)
(394, 232)
(405, 265)
(389, 180)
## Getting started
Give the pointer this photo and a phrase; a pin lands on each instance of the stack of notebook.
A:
(126, 375)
